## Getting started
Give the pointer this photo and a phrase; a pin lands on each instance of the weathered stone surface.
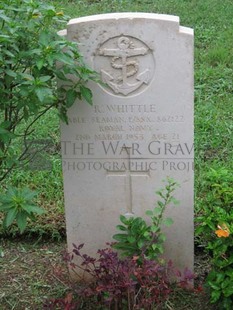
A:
(138, 132)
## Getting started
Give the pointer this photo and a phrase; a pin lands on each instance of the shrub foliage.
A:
(30, 49)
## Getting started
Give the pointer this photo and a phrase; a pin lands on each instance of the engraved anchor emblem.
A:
(120, 60)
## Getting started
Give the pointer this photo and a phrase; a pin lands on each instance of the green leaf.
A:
(159, 193)
(228, 291)
(162, 238)
(124, 220)
(158, 248)
(60, 75)
(229, 273)
(213, 285)
(32, 209)
(215, 295)
(71, 96)
(8, 53)
(50, 59)
(12, 191)
(40, 63)
(10, 217)
(220, 277)
(175, 201)
(154, 246)
(131, 239)
(5, 124)
(11, 73)
(160, 203)
(28, 194)
(86, 94)
(122, 246)
(6, 206)
(4, 17)
(4, 38)
(45, 78)
(120, 237)
(225, 283)
(149, 212)
(27, 77)
(44, 38)
(43, 93)
(5, 135)
(157, 210)
(121, 227)
(64, 59)
(154, 228)
(140, 244)
(21, 221)
(146, 234)
(138, 224)
(6, 198)
(167, 222)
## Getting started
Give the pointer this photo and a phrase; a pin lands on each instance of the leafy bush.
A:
(215, 224)
(18, 206)
(220, 278)
(29, 52)
(142, 239)
(120, 283)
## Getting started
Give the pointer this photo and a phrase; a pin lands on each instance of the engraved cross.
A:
(127, 174)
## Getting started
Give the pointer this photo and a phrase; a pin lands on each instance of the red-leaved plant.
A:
(120, 283)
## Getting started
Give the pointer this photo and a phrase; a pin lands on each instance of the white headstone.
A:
(138, 131)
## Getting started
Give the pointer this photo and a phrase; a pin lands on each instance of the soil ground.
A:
(31, 272)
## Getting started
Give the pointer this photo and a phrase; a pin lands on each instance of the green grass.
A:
(213, 24)
(212, 21)
(47, 183)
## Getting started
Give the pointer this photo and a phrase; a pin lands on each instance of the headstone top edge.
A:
(62, 33)
(130, 15)
(186, 30)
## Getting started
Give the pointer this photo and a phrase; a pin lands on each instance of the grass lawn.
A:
(31, 268)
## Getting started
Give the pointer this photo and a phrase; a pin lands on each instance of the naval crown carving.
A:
(126, 65)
